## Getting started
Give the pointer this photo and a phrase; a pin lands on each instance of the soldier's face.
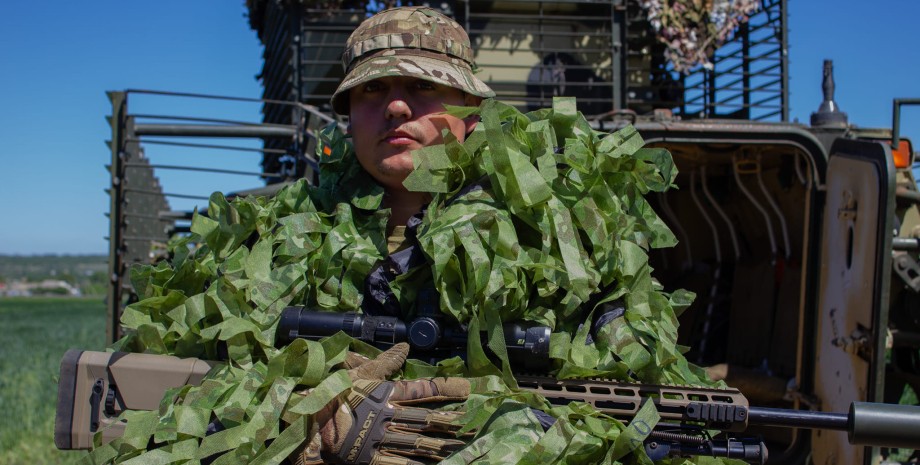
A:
(392, 116)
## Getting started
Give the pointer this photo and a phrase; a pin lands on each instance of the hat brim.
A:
(430, 69)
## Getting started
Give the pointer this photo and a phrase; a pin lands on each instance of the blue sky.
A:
(57, 59)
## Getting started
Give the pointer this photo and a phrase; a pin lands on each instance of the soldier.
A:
(402, 66)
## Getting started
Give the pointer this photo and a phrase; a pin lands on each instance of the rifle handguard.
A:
(725, 409)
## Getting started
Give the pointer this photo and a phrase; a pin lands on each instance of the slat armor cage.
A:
(604, 53)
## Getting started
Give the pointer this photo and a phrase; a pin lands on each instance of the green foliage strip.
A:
(560, 223)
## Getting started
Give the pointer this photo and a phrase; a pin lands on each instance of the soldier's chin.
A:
(391, 177)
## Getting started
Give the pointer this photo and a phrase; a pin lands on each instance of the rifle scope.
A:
(429, 337)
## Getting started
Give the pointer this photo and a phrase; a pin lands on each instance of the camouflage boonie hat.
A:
(409, 41)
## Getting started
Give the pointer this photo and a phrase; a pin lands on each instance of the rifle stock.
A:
(96, 387)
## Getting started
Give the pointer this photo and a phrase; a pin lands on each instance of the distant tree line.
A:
(86, 273)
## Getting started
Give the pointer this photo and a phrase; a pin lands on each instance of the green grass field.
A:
(34, 334)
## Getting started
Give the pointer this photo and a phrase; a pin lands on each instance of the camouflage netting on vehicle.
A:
(562, 221)
(692, 30)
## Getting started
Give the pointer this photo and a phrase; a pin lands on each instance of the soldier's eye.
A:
(425, 85)
(371, 86)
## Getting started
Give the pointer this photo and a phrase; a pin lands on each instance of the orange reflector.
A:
(902, 154)
(327, 151)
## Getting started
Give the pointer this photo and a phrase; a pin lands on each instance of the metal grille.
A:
(605, 53)
(750, 76)
(323, 36)
(530, 52)
(141, 218)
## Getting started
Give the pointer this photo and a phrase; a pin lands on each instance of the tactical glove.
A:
(377, 422)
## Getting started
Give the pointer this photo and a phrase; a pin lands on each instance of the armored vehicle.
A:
(801, 241)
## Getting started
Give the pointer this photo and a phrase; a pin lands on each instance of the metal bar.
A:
(910, 195)
(199, 119)
(896, 119)
(119, 126)
(683, 101)
(584, 50)
(762, 87)
(743, 57)
(740, 54)
(798, 418)
(577, 2)
(209, 146)
(148, 217)
(308, 108)
(314, 28)
(711, 86)
(746, 66)
(143, 238)
(765, 71)
(484, 64)
(748, 90)
(765, 86)
(155, 192)
(316, 96)
(739, 105)
(541, 53)
(784, 58)
(177, 215)
(768, 23)
(905, 338)
(568, 83)
(213, 131)
(206, 170)
(758, 71)
(761, 57)
(323, 62)
(208, 96)
(620, 46)
(562, 19)
(729, 86)
(767, 115)
(766, 41)
(602, 35)
(905, 244)
(321, 79)
(764, 100)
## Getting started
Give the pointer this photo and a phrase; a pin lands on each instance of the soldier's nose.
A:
(398, 108)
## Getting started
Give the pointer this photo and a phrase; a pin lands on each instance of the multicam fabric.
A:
(409, 41)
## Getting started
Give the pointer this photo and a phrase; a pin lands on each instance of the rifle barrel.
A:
(798, 418)
(867, 423)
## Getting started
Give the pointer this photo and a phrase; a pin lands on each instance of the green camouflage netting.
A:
(564, 222)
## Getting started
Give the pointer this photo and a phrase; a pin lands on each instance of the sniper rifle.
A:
(694, 409)
(96, 387)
